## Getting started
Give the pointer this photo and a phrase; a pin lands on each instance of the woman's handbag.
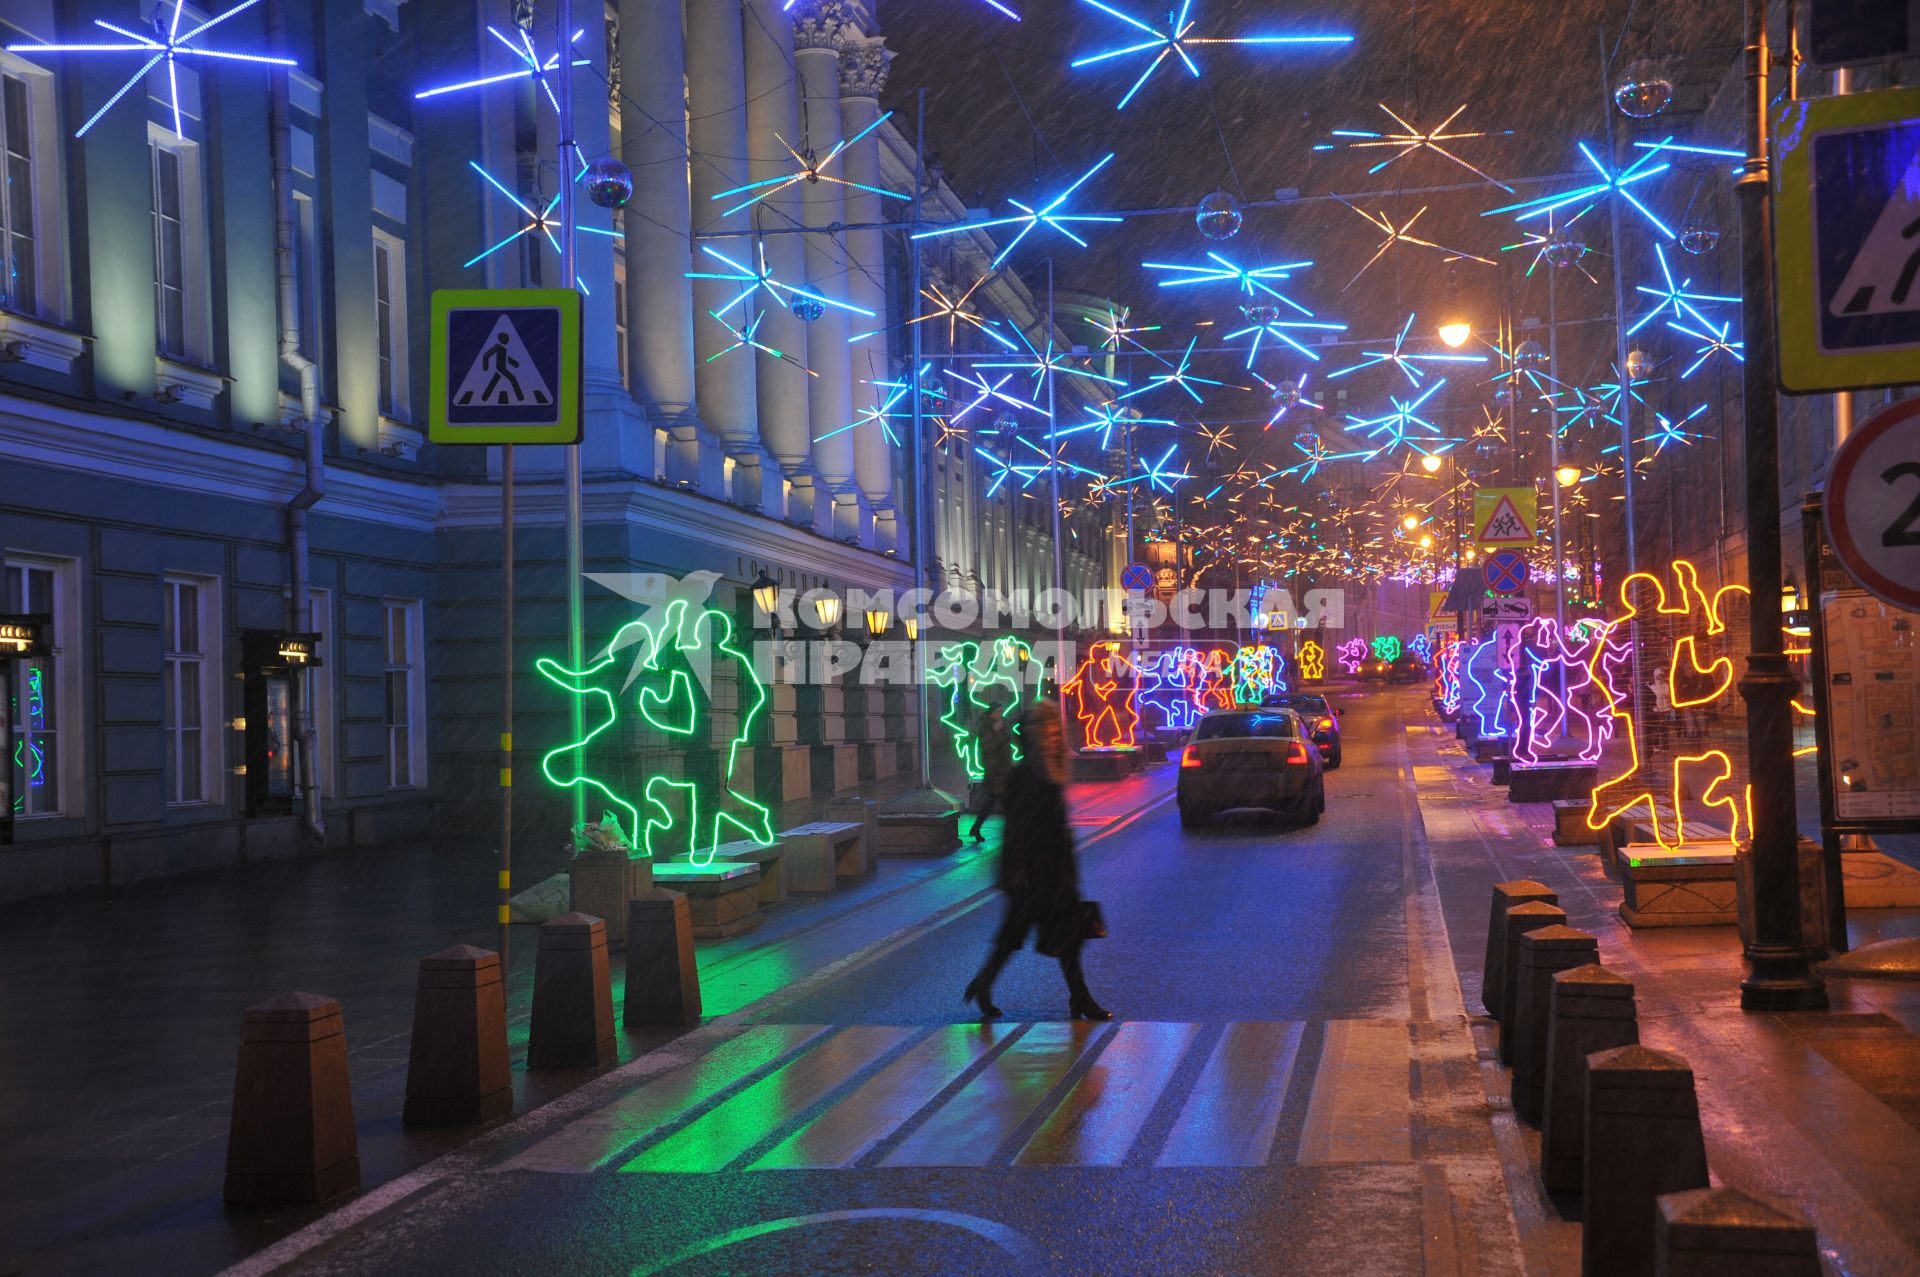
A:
(1078, 922)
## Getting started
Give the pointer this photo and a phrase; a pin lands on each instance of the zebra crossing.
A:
(787, 1097)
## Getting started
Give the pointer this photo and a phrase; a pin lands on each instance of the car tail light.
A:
(1188, 758)
(1296, 753)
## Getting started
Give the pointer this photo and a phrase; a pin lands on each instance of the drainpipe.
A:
(314, 482)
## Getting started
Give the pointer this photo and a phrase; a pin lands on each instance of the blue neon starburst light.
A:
(1051, 362)
(545, 223)
(1264, 321)
(1714, 341)
(1108, 417)
(1176, 38)
(762, 279)
(1180, 376)
(991, 392)
(531, 65)
(1155, 473)
(1612, 182)
(743, 338)
(167, 44)
(1674, 297)
(1049, 214)
(1405, 427)
(1408, 364)
(1249, 280)
(809, 165)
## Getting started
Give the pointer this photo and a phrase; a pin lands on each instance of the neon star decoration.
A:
(1411, 139)
(545, 223)
(1176, 38)
(1114, 329)
(1405, 427)
(1049, 214)
(167, 44)
(683, 817)
(1155, 474)
(954, 311)
(1667, 431)
(1408, 364)
(1109, 417)
(757, 280)
(1713, 341)
(1178, 377)
(885, 408)
(1264, 321)
(743, 338)
(1250, 281)
(809, 166)
(1295, 396)
(1612, 182)
(531, 66)
(1402, 233)
(990, 392)
(1051, 362)
(1674, 299)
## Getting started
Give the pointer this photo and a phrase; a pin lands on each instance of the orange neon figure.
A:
(1207, 678)
(1313, 661)
(1101, 692)
(1622, 793)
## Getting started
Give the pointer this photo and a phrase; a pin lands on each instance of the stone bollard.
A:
(1543, 954)
(457, 1060)
(1521, 919)
(572, 1024)
(1643, 1139)
(1726, 1232)
(1592, 1010)
(291, 1140)
(663, 984)
(1505, 896)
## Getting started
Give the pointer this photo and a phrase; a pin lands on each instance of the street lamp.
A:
(827, 608)
(1410, 522)
(912, 625)
(1567, 476)
(766, 593)
(879, 620)
(1455, 333)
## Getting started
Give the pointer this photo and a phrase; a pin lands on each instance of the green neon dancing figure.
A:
(971, 676)
(690, 817)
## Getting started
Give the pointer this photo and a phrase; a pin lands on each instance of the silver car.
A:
(1250, 758)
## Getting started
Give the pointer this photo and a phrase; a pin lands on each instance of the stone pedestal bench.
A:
(1502, 769)
(813, 851)
(919, 833)
(1107, 764)
(720, 896)
(1488, 748)
(1570, 824)
(771, 889)
(1550, 780)
(1691, 887)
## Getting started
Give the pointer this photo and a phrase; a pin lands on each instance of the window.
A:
(19, 286)
(35, 755)
(306, 274)
(169, 252)
(406, 757)
(390, 323)
(189, 692)
(620, 312)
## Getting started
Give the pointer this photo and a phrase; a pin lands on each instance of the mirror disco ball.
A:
(1261, 314)
(609, 183)
(1307, 437)
(1286, 394)
(1698, 238)
(1487, 447)
(1530, 356)
(1645, 89)
(1563, 250)
(1639, 364)
(1218, 216)
(808, 309)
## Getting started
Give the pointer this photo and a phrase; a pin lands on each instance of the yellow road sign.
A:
(1505, 516)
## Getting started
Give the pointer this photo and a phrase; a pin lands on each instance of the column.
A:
(863, 75)
(717, 96)
(773, 112)
(660, 355)
(822, 29)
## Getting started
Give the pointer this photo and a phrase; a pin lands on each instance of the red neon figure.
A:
(1207, 677)
(1101, 692)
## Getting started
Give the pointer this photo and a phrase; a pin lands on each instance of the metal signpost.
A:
(1847, 262)
(505, 369)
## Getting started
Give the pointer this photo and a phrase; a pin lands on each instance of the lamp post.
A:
(1780, 975)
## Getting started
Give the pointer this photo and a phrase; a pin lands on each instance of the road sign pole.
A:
(1780, 976)
(569, 278)
(506, 696)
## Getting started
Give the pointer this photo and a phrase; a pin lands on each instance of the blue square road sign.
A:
(505, 366)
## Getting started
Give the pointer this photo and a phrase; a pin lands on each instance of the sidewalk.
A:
(1820, 1108)
(123, 1018)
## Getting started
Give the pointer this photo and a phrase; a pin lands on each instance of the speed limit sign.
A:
(1873, 500)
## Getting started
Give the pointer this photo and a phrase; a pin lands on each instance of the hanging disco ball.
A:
(1530, 356)
(1307, 437)
(1645, 89)
(1563, 250)
(1286, 394)
(1218, 216)
(1261, 314)
(609, 183)
(1639, 364)
(1698, 238)
(808, 309)
(1487, 447)
(1005, 425)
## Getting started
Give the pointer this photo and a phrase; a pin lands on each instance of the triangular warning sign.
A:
(1884, 278)
(1505, 526)
(503, 374)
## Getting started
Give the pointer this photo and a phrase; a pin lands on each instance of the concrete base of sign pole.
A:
(663, 984)
(1521, 919)
(1492, 971)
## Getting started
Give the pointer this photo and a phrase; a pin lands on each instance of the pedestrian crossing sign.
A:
(1505, 516)
(1847, 241)
(505, 366)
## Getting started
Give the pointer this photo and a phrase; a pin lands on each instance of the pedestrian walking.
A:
(996, 764)
(1037, 871)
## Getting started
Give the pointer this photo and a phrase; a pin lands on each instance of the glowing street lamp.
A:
(1455, 333)
(1430, 463)
(1567, 476)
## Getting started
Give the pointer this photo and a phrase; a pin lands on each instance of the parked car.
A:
(1322, 721)
(1407, 668)
(1261, 758)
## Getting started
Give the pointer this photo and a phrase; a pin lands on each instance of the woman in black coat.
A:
(1037, 870)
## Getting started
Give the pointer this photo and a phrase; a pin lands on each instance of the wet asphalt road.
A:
(1254, 932)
